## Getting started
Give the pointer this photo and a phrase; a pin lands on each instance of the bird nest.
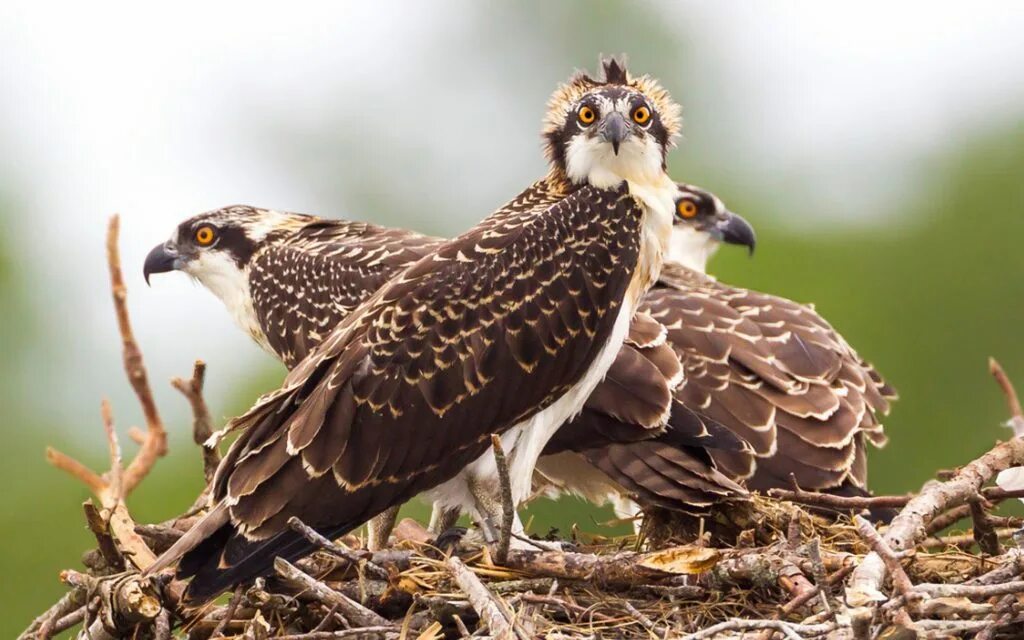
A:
(771, 567)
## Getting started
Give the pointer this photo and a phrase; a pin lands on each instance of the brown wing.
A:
(305, 284)
(495, 326)
(622, 430)
(777, 374)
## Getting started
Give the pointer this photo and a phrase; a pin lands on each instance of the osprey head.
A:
(701, 224)
(215, 247)
(603, 131)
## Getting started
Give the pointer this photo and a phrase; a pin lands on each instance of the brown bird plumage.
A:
(307, 274)
(791, 403)
(401, 396)
(778, 375)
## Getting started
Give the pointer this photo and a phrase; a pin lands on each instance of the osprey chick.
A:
(403, 395)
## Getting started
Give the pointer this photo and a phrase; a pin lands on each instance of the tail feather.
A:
(229, 559)
(194, 538)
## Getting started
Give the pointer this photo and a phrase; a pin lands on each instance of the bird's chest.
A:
(656, 198)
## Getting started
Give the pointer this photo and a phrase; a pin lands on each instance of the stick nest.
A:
(790, 565)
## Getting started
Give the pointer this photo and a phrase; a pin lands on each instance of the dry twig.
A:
(491, 611)
(910, 526)
(202, 425)
(355, 558)
(790, 630)
(317, 590)
(155, 444)
(892, 562)
(1009, 392)
(118, 484)
(236, 599)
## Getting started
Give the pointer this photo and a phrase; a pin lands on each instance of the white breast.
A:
(219, 273)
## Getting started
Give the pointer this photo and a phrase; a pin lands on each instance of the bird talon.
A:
(450, 538)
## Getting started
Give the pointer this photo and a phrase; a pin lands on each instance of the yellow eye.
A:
(686, 209)
(586, 115)
(641, 115)
(205, 235)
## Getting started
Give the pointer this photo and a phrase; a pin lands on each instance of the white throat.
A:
(219, 273)
(593, 160)
(691, 248)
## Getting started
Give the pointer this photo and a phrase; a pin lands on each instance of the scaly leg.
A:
(488, 512)
(379, 528)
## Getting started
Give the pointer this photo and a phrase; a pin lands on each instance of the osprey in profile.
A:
(403, 395)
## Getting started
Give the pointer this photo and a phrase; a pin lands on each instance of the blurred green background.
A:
(903, 230)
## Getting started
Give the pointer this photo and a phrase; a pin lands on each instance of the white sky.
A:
(161, 115)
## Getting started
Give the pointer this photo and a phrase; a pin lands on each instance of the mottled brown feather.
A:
(403, 334)
(739, 345)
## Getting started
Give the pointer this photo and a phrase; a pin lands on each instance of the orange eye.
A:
(641, 115)
(686, 209)
(586, 115)
(205, 235)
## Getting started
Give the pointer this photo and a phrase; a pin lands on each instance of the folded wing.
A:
(776, 374)
(469, 341)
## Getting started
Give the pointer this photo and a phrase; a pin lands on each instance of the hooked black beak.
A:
(734, 229)
(160, 260)
(614, 129)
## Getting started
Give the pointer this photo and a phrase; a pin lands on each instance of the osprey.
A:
(507, 328)
(287, 278)
(771, 371)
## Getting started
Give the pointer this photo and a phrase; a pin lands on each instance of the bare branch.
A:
(114, 476)
(910, 526)
(1003, 380)
(76, 469)
(202, 424)
(984, 530)
(236, 599)
(790, 630)
(354, 558)
(155, 445)
(892, 562)
(351, 609)
(44, 625)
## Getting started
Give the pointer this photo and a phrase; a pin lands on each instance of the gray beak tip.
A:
(159, 260)
(736, 230)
